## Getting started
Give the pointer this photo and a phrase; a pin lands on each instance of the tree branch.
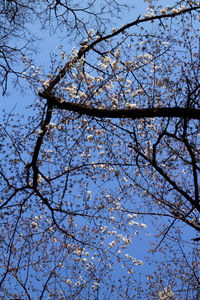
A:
(86, 48)
(134, 113)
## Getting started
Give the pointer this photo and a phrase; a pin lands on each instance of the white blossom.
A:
(99, 132)
(91, 32)
(68, 281)
(166, 293)
(174, 11)
(34, 224)
(163, 11)
(143, 225)
(130, 216)
(90, 137)
(139, 263)
(118, 53)
(112, 244)
(126, 240)
(95, 285)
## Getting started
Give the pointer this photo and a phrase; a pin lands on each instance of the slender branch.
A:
(194, 169)
(168, 179)
(164, 235)
(86, 48)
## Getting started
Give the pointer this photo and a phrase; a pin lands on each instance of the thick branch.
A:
(39, 143)
(134, 113)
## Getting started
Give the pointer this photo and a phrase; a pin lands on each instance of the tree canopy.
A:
(109, 143)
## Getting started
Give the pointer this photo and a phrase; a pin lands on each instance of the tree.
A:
(18, 41)
(114, 136)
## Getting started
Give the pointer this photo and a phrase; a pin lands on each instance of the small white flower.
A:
(136, 223)
(130, 271)
(126, 240)
(68, 281)
(112, 244)
(148, 56)
(90, 137)
(182, 7)
(89, 194)
(95, 285)
(82, 95)
(139, 263)
(174, 11)
(103, 229)
(63, 55)
(131, 222)
(34, 224)
(61, 265)
(99, 132)
(107, 59)
(167, 293)
(131, 105)
(91, 32)
(118, 53)
(143, 225)
(163, 11)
